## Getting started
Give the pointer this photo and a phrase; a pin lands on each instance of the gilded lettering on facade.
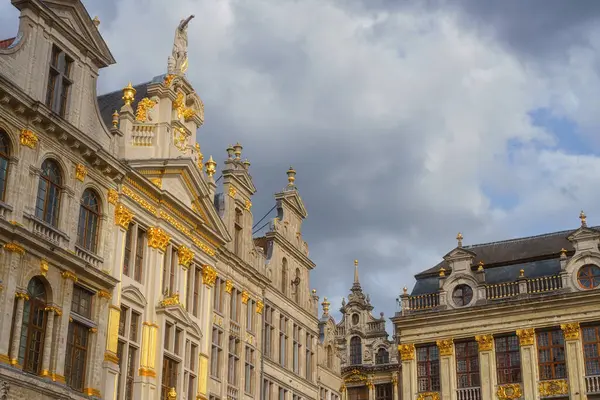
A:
(113, 196)
(209, 275)
(123, 216)
(407, 351)
(185, 256)
(526, 336)
(14, 248)
(28, 138)
(80, 172)
(158, 238)
(485, 342)
(553, 388)
(446, 346)
(571, 330)
(228, 285)
(509, 392)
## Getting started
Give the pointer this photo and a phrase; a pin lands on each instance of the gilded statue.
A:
(178, 61)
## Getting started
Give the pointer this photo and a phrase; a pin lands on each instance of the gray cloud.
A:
(398, 118)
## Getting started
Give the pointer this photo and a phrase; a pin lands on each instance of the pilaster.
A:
(529, 363)
(50, 312)
(12, 260)
(20, 297)
(575, 361)
(395, 386)
(487, 365)
(409, 371)
(447, 369)
(57, 359)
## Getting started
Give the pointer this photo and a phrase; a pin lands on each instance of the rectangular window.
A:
(508, 359)
(591, 349)
(168, 329)
(59, 83)
(196, 297)
(218, 295)
(139, 254)
(216, 353)
(551, 354)
(237, 239)
(133, 327)
(467, 364)
(296, 348)
(169, 376)
(76, 359)
(428, 369)
(309, 357)
(130, 371)
(282, 340)
(234, 358)
(269, 329)
(81, 303)
(123, 320)
(358, 393)
(250, 315)
(128, 252)
(249, 371)
(234, 305)
(176, 349)
(383, 391)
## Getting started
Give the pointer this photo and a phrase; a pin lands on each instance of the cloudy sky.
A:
(406, 121)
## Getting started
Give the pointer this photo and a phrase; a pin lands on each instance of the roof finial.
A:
(211, 167)
(237, 151)
(459, 238)
(291, 173)
(128, 94)
(480, 266)
(325, 305)
(442, 272)
(356, 273)
(96, 21)
(582, 217)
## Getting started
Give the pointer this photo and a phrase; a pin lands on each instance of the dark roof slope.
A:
(112, 101)
(514, 251)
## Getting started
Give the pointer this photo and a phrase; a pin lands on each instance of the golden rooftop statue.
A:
(583, 218)
(178, 61)
(459, 238)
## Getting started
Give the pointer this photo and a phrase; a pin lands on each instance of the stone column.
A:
(529, 363)
(48, 340)
(110, 364)
(447, 369)
(343, 392)
(371, 387)
(12, 258)
(209, 276)
(21, 297)
(58, 357)
(395, 386)
(487, 365)
(409, 371)
(158, 241)
(575, 361)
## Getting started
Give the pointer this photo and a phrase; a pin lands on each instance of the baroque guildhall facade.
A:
(515, 319)
(126, 272)
(369, 363)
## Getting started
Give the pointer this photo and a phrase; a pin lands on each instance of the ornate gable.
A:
(293, 200)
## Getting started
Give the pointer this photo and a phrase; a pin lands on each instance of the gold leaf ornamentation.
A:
(209, 275)
(553, 388)
(113, 196)
(43, 267)
(14, 248)
(429, 396)
(509, 392)
(28, 138)
(158, 238)
(185, 256)
(407, 351)
(259, 307)
(526, 336)
(446, 346)
(228, 285)
(232, 191)
(170, 301)
(245, 297)
(485, 342)
(571, 330)
(145, 104)
(123, 216)
(80, 172)
(104, 294)
(248, 205)
(21, 295)
(157, 182)
(69, 275)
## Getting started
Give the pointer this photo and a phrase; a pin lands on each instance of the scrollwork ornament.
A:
(485, 342)
(446, 346)
(429, 396)
(407, 351)
(143, 108)
(553, 388)
(509, 392)
(80, 172)
(571, 330)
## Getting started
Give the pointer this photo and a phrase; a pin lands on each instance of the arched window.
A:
(284, 276)
(355, 351)
(48, 196)
(33, 328)
(329, 357)
(4, 155)
(89, 217)
(382, 356)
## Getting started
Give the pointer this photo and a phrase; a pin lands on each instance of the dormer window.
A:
(59, 82)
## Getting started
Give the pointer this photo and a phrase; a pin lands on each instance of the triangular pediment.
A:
(459, 253)
(584, 233)
(180, 183)
(72, 20)
(293, 199)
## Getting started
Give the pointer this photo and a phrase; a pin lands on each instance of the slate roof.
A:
(536, 255)
(109, 102)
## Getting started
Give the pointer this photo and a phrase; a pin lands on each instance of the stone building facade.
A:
(126, 271)
(369, 363)
(515, 319)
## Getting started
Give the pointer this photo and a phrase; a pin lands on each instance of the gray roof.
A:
(112, 101)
